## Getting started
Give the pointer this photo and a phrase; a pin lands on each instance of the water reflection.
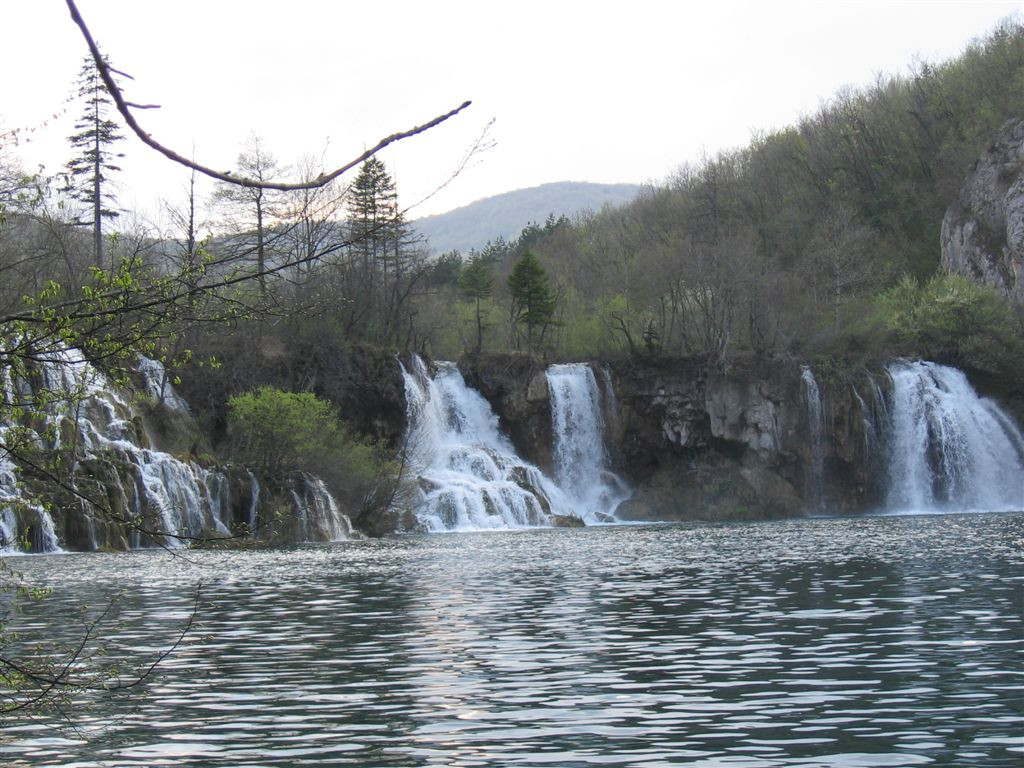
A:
(872, 642)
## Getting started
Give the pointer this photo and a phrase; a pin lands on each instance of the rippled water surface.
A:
(871, 642)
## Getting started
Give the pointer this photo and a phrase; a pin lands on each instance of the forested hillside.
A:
(819, 239)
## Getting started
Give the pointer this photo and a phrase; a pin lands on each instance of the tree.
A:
(277, 433)
(383, 252)
(477, 285)
(533, 302)
(311, 224)
(88, 171)
(253, 203)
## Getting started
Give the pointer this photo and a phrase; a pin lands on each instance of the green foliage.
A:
(475, 280)
(781, 248)
(533, 301)
(476, 284)
(277, 433)
(953, 319)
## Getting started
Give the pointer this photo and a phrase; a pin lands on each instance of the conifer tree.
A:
(476, 284)
(383, 250)
(89, 170)
(533, 301)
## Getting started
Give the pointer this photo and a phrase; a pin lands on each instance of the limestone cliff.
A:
(983, 229)
(696, 443)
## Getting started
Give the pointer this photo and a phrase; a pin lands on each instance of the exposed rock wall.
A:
(695, 443)
(983, 229)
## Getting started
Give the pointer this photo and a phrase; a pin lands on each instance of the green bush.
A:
(276, 433)
(952, 319)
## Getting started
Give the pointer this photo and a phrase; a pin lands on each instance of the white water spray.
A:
(469, 476)
(581, 462)
(815, 413)
(468, 473)
(948, 448)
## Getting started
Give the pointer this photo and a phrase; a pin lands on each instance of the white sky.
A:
(582, 91)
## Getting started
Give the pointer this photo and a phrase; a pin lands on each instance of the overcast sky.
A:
(582, 91)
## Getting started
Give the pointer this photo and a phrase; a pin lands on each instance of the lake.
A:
(879, 641)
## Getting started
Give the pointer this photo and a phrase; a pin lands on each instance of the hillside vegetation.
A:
(813, 241)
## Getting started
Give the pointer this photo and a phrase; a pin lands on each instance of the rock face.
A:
(517, 390)
(694, 443)
(983, 230)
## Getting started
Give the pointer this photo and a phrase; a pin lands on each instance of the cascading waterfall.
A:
(581, 461)
(468, 474)
(611, 405)
(111, 459)
(876, 418)
(815, 414)
(23, 523)
(42, 535)
(254, 503)
(950, 449)
(318, 515)
(92, 420)
(155, 378)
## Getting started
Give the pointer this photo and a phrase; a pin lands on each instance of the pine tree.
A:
(94, 139)
(533, 301)
(383, 250)
(476, 284)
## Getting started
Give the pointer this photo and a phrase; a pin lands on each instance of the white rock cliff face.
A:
(983, 229)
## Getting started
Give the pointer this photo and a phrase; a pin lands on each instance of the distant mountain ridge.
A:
(505, 215)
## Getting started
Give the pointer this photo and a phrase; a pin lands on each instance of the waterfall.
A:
(581, 462)
(254, 502)
(89, 418)
(815, 414)
(317, 513)
(611, 405)
(950, 449)
(158, 386)
(24, 524)
(468, 474)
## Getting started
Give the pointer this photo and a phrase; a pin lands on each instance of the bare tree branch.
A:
(324, 178)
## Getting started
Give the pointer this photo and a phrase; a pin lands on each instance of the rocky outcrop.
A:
(696, 443)
(983, 229)
(517, 389)
(700, 444)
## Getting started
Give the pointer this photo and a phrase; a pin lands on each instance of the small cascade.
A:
(90, 419)
(581, 461)
(317, 513)
(254, 503)
(950, 449)
(876, 418)
(815, 414)
(158, 385)
(24, 524)
(611, 405)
